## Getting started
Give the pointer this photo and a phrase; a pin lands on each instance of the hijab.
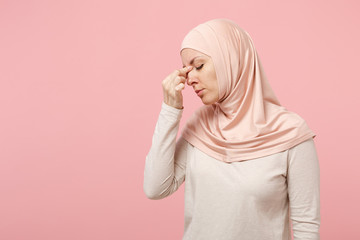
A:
(247, 121)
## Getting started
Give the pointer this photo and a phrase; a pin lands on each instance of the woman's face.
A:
(202, 76)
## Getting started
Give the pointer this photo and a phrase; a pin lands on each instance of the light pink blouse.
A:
(248, 200)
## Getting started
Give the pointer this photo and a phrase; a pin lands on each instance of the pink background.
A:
(80, 93)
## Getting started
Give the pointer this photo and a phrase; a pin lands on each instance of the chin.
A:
(207, 102)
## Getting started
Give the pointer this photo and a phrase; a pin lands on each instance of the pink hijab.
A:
(248, 120)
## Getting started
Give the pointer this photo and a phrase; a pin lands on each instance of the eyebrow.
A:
(192, 61)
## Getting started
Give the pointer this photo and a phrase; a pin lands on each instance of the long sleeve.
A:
(304, 190)
(166, 161)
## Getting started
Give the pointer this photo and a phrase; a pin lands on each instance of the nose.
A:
(191, 78)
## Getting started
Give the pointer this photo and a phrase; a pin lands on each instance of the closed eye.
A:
(198, 68)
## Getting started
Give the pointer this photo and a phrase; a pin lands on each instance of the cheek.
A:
(214, 82)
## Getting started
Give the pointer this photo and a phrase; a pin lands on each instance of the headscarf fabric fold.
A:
(247, 121)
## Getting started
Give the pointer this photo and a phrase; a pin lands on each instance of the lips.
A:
(197, 91)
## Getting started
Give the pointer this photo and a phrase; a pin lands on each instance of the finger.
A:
(184, 70)
(180, 87)
(179, 79)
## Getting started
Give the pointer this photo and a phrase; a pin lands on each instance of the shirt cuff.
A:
(171, 111)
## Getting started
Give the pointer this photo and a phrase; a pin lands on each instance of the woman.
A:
(249, 165)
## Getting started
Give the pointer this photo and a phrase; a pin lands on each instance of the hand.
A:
(172, 85)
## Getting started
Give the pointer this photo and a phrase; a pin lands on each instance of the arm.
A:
(166, 161)
(304, 190)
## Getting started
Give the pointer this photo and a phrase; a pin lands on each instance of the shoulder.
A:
(304, 145)
(304, 152)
